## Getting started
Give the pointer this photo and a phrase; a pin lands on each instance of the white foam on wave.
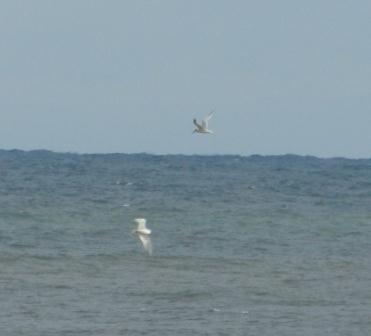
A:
(227, 311)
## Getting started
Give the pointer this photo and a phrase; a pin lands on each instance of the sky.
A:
(129, 76)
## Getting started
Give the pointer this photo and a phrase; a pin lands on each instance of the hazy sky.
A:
(129, 76)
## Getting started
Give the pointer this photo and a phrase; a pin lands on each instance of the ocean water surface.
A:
(276, 245)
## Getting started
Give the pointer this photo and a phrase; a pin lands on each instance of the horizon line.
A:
(182, 154)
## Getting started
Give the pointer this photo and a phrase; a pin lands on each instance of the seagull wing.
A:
(197, 124)
(206, 120)
(146, 241)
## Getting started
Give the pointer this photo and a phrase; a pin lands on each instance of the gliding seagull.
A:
(143, 234)
(204, 124)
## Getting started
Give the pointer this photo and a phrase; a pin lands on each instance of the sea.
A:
(255, 245)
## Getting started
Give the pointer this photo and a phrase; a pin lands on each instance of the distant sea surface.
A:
(274, 245)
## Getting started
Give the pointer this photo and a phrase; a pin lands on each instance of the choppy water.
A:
(242, 245)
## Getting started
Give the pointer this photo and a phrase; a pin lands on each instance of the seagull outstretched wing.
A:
(146, 241)
(197, 124)
(206, 119)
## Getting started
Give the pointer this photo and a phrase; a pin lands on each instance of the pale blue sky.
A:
(129, 76)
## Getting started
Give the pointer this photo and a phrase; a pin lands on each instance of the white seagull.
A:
(203, 128)
(143, 234)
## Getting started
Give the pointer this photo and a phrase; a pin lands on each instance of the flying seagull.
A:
(203, 128)
(143, 234)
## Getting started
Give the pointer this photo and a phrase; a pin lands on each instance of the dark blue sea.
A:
(258, 245)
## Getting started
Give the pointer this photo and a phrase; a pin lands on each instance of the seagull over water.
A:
(143, 234)
(203, 127)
